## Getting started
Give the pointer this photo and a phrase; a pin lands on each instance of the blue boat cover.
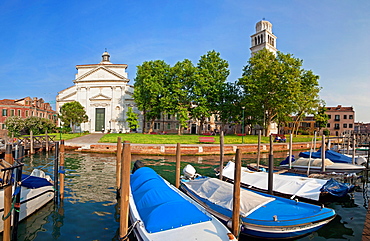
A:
(160, 207)
(34, 182)
(329, 154)
(336, 188)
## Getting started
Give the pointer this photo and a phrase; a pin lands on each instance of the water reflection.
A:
(90, 210)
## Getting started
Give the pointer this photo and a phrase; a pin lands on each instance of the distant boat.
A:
(36, 191)
(314, 165)
(262, 215)
(334, 157)
(289, 186)
(159, 211)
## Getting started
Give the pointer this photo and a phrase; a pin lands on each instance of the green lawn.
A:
(188, 139)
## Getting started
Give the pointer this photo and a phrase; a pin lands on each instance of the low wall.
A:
(203, 149)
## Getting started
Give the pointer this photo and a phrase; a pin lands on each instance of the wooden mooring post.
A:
(8, 198)
(118, 164)
(271, 167)
(323, 149)
(259, 150)
(236, 194)
(221, 154)
(125, 189)
(178, 165)
(61, 169)
(56, 167)
(46, 141)
(32, 150)
(18, 156)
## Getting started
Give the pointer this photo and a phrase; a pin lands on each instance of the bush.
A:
(326, 132)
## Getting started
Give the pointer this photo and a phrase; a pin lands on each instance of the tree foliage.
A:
(150, 85)
(72, 114)
(14, 125)
(132, 119)
(321, 117)
(275, 86)
(212, 72)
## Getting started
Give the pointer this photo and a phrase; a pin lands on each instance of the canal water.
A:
(90, 211)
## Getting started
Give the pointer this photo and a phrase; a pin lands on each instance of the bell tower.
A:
(263, 38)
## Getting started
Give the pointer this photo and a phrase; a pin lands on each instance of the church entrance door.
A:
(99, 119)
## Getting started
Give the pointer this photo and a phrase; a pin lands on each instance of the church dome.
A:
(105, 57)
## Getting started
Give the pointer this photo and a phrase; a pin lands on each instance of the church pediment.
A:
(101, 73)
(100, 97)
(68, 97)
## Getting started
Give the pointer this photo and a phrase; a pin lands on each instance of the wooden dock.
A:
(33, 143)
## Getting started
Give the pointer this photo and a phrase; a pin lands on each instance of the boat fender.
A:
(275, 218)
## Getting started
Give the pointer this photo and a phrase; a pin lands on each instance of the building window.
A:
(11, 112)
(329, 116)
(157, 126)
(350, 117)
(177, 126)
(336, 126)
(5, 112)
(337, 118)
(344, 125)
(19, 112)
(169, 117)
(328, 125)
(168, 126)
(350, 125)
(147, 125)
(3, 126)
(344, 116)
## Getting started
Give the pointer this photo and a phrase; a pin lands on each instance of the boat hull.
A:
(31, 201)
(257, 224)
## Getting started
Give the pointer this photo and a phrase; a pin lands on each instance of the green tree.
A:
(212, 72)
(177, 98)
(14, 125)
(321, 118)
(150, 89)
(38, 125)
(72, 114)
(274, 86)
(132, 119)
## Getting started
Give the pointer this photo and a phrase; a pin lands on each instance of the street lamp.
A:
(243, 126)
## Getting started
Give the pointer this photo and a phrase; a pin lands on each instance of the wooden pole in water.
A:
(323, 149)
(259, 149)
(62, 170)
(221, 154)
(290, 150)
(118, 164)
(46, 141)
(178, 164)
(236, 197)
(353, 148)
(125, 189)
(8, 197)
(19, 153)
(32, 151)
(271, 167)
(56, 167)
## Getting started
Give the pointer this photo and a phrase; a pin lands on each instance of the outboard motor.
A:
(137, 165)
(189, 171)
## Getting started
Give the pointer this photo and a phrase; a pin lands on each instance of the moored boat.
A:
(262, 215)
(36, 191)
(159, 211)
(289, 186)
(314, 166)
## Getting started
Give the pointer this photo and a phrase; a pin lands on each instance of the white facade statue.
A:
(103, 90)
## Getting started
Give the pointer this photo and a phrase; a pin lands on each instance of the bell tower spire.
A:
(263, 38)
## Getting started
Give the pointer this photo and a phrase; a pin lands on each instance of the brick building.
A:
(24, 108)
(341, 120)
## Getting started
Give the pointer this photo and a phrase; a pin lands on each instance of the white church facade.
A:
(103, 90)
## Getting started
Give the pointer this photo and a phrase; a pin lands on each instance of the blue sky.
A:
(43, 40)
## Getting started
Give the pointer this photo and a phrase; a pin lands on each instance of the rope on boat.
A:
(129, 231)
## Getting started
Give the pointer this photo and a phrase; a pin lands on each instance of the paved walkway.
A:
(85, 140)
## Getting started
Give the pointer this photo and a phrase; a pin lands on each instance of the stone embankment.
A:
(90, 143)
